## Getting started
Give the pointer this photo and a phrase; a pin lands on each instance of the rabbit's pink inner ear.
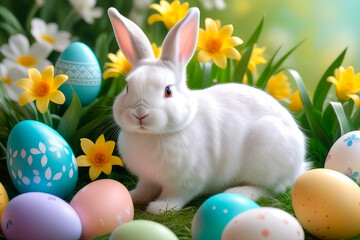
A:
(188, 41)
(124, 40)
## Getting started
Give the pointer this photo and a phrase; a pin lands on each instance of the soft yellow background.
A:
(328, 26)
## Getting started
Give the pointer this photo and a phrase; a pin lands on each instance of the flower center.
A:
(48, 38)
(42, 89)
(26, 60)
(99, 159)
(214, 45)
(6, 80)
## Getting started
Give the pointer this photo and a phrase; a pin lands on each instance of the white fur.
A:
(229, 136)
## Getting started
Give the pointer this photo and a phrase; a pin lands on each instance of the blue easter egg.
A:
(80, 64)
(40, 160)
(213, 215)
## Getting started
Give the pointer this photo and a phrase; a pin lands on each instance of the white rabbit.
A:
(182, 143)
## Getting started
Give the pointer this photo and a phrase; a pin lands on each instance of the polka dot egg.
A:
(263, 223)
(40, 160)
(217, 211)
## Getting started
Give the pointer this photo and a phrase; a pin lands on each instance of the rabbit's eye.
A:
(168, 92)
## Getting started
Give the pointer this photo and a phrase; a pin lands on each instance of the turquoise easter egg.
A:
(80, 64)
(142, 229)
(216, 212)
(40, 160)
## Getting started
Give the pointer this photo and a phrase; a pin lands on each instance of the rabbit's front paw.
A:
(158, 207)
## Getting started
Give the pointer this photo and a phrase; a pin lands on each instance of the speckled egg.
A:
(40, 160)
(142, 229)
(36, 215)
(265, 223)
(217, 211)
(327, 204)
(80, 64)
(102, 205)
(344, 156)
(4, 199)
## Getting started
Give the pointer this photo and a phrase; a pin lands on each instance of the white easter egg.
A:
(344, 156)
(80, 64)
(263, 223)
(40, 160)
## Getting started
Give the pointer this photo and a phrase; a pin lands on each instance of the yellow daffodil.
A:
(120, 65)
(279, 87)
(42, 88)
(347, 84)
(216, 43)
(98, 156)
(296, 103)
(256, 58)
(170, 14)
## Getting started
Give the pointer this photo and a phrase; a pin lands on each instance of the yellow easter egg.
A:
(327, 204)
(4, 199)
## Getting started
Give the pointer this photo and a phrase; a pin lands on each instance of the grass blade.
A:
(241, 66)
(10, 18)
(341, 117)
(255, 36)
(265, 75)
(323, 86)
(101, 49)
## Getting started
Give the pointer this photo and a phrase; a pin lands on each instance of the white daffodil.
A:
(9, 76)
(23, 56)
(87, 9)
(211, 4)
(49, 34)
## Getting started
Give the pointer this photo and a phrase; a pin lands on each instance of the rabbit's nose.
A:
(141, 111)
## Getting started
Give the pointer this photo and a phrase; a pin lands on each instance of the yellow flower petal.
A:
(210, 27)
(42, 104)
(234, 41)
(220, 61)
(94, 172)
(107, 168)
(34, 75)
(109, 146)
(203, 56)
(48, 74)
(26, 84)
(83, 161)
(332, 80)
(295, 102)
(26, 97)
(57, 97)
(59, 80)
(355, 98)
(86, 145)
(111, 72)
(100, 141)
(226, 32)
(155, 18)
(231, 53)
(116, 161)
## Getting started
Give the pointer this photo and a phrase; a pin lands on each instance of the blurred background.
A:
(327, 26)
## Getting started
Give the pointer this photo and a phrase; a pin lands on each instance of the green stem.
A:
(46, 117)
(69, 20)
(30, 16)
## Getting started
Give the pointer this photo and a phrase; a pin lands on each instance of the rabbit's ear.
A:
(131, 39)
(180, 43)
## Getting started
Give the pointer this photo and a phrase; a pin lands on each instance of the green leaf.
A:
(323, 86)
(206, 74)
(341, 117)
(317, 130)
(70, 120)
(10, 18)
(255, 36)
(8, 28)
(241, 66)
(265, 75)
(355, 119)
(329, 122)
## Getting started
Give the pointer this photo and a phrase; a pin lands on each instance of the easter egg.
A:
(102, 206)
(327, 204)
(213, 215)
(263, 223)
(40, 160)
(80, 64)
(37, 215)
(4, 199)
(344, 156)
(149, 230)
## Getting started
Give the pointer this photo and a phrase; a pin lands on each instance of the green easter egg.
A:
(142, 229)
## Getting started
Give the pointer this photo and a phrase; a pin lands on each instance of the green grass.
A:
(179, 222)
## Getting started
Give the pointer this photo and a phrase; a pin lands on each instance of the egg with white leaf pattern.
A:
(40, 160)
